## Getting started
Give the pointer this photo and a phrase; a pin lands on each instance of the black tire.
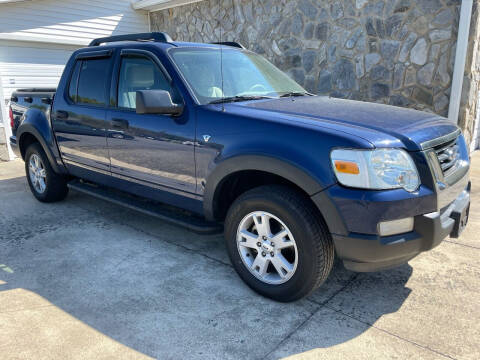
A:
(56, 185)
(313, 240)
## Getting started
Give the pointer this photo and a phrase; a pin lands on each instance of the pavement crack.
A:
(465, 245)
(320, 306)
(290, 334)
(390, 333)
(121, 260)
(352, 279)
(163, 240)
(177, 245)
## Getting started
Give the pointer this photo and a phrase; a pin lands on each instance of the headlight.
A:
(375, 169)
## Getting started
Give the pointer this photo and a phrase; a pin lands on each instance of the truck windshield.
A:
(246, 75)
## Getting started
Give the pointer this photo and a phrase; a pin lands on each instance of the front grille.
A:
(448, 154)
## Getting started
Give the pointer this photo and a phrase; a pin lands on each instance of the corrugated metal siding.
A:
(69, 21)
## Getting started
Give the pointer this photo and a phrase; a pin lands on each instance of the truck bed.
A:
(22, 99)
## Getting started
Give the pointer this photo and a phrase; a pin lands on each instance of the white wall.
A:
(5, 132)
(38, 36)
(69, 21)
(25, 64)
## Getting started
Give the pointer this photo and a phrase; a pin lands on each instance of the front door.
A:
(151, 149)
(79, 118)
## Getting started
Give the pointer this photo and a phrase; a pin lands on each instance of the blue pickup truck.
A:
(213, 136)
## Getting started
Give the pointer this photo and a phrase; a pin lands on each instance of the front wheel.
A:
(45, 184)
(278, 243)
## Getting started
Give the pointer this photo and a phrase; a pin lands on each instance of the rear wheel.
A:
(45, 184)
(277, 242)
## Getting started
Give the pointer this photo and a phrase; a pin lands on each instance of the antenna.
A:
(221, 62)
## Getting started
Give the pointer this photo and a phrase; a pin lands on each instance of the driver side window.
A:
(140, 73)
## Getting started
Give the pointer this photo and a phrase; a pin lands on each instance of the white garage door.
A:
(26, 65)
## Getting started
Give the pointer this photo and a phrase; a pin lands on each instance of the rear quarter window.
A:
(72, 89)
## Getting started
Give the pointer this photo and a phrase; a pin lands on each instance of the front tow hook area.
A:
(461, 220)
(460, 213)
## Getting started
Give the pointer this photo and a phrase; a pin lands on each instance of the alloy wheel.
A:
(267, 247)
(37, 173)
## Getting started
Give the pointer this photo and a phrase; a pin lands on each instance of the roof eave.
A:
(157, 5)
(10, 1)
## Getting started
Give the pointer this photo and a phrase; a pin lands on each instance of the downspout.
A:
(6, 123)
(134, 8)
(460, 58)
(149, 22)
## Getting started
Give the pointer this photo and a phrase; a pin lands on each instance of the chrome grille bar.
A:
(447, 155)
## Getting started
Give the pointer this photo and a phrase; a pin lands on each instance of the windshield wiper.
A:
(296, 93)
(239, 98)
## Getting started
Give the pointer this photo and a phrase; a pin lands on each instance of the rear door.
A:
(150, 149)
(80, 116)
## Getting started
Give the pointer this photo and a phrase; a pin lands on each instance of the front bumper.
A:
(361, 252)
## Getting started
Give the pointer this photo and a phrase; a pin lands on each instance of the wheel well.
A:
(25, 141)
(239, 182)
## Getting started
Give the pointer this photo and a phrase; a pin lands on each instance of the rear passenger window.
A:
(92, 82)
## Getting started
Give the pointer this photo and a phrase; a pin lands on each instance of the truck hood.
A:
(411, 127)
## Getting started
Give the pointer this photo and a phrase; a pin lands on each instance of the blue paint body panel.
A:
(167, 158)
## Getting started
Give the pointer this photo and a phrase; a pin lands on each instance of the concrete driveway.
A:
(84, 279)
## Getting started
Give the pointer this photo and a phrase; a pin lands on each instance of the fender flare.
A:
(269, 164)
(27, 127)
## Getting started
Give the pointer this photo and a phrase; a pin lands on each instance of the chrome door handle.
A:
(119, 124)
(60, 114)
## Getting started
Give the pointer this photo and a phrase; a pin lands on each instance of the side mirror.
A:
(157, 102)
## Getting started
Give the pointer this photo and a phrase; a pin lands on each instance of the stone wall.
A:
(399, 52)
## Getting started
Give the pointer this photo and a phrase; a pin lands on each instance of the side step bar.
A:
(164, 212)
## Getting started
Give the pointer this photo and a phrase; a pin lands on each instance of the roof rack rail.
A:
(151, 36)
(36, 90)
(230, 43)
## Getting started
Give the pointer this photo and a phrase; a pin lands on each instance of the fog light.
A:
(393, 227)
